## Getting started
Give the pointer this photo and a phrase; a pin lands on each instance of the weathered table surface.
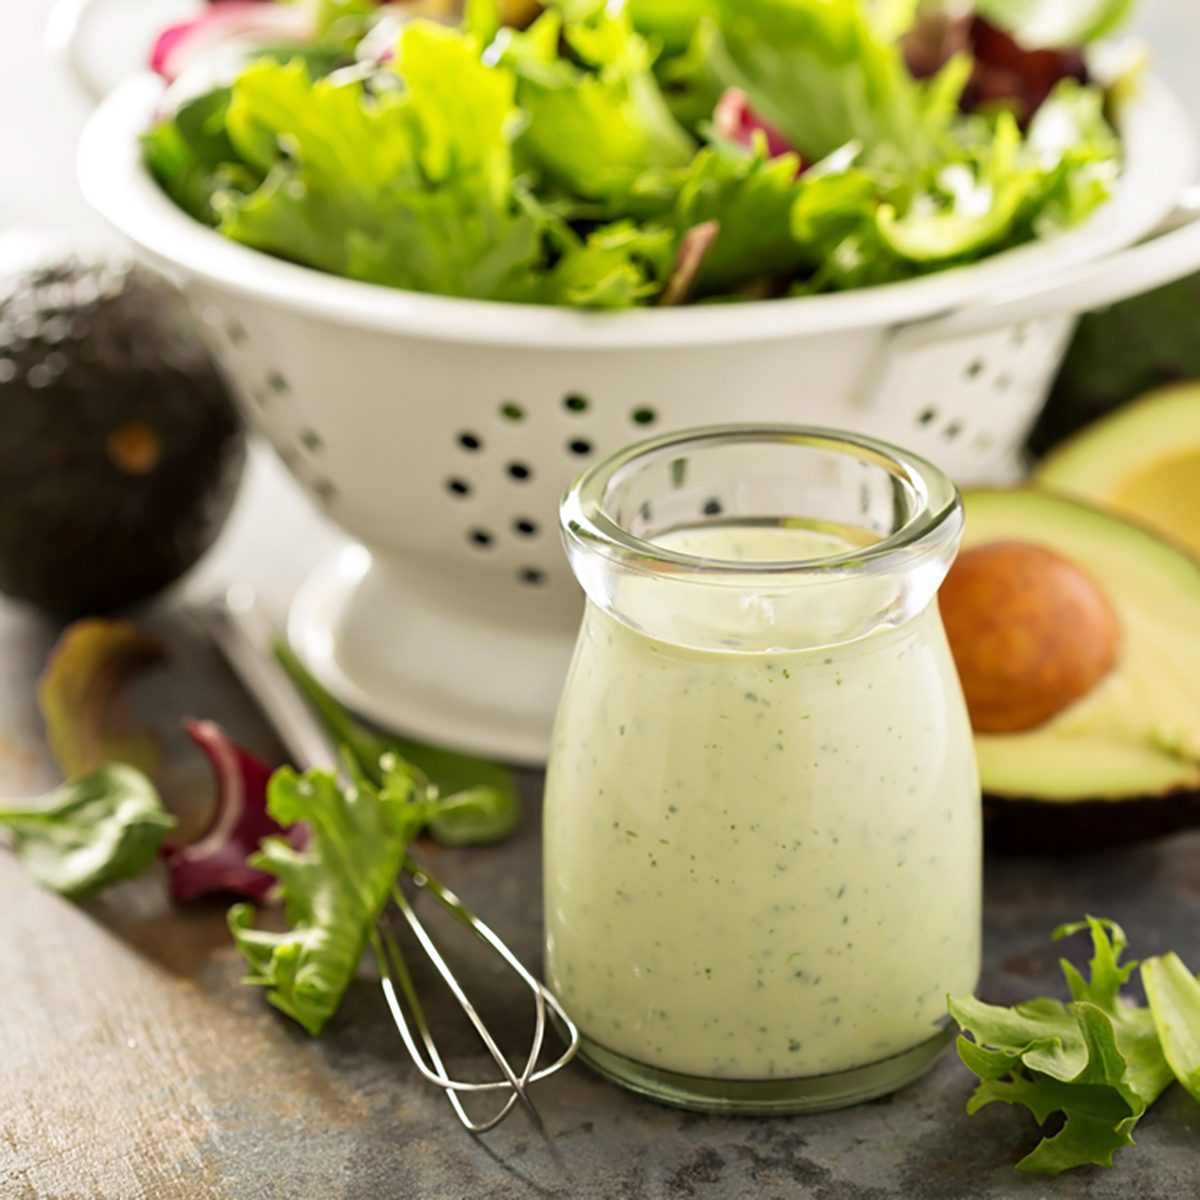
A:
(133, 1064)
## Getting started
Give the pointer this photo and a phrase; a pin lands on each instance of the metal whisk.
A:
(245, 640)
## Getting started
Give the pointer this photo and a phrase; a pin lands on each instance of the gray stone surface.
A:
(135, 1066)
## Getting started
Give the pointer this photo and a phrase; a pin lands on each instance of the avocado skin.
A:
(96, 355)
(1027, 826)
(1121, 353)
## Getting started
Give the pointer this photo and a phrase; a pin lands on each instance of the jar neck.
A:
(762, 539)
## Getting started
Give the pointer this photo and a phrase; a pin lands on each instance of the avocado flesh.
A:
(1137, 734)
(1142, 462)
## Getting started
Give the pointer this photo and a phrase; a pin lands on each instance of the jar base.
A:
(766, 1097)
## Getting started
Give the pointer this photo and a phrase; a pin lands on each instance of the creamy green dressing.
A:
(760, 863)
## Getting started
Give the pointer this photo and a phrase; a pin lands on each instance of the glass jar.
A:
(762, 817)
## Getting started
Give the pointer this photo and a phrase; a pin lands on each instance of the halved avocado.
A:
(1143, 462)
(1123, 761)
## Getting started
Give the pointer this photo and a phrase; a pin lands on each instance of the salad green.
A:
(91, 832)
(1098, 1061)
(567, 162)
(333, 890)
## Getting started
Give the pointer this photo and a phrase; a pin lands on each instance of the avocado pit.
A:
(1030, 631)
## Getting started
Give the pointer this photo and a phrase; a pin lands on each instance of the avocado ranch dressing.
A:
(760, 863)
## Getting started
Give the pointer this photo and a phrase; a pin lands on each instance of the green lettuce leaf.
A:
(192, 157)
(1174, 995)
(468, 799)
(751, 197)
(822, 72)
(1097, 1061)
(615, 266)
(968, 209)
(409, 188)
(1056, 23)
(93, 831)
(1074, 156)
(671, 22)
(597, 118)
(333, 890)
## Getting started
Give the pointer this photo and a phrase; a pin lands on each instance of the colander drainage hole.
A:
(480, 538)
(458, 487)
(930, 414)
(311, 440)
(531, 576)
(278, 384)
(576, 403)
(643, 416)
(470, 441)
(580, 447)
(713, 507)
(235, 331)
(975, 369)
(526, 527)
(520, 471)
(952, 431)
(510, 410)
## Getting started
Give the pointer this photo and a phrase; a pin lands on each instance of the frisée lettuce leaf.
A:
(409, 188)
(1096, 1060)
(595, 118)
(333, 889)
(572, 161)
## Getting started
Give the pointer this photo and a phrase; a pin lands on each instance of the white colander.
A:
(440, 434)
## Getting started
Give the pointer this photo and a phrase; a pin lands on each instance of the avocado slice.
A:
(1123, 762)
(1143, 462)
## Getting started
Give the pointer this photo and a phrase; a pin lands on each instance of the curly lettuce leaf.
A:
(1097, 1060)
(968, 209)
(615, 266)
(1174, 995)
(750, 196)
(99, 829)
(407, 188)
(333, 890)
(596, 118)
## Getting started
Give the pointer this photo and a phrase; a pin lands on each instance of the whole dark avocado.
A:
(120, 448)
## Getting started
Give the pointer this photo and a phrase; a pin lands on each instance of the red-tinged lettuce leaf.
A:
(217, 861)
(1006, 72)
(1174, 995)
(693, 249)
(178, 46)
(81, 696)
(736, 121)
(1097, 1061)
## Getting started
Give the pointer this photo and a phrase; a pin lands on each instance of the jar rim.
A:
(935, 522)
